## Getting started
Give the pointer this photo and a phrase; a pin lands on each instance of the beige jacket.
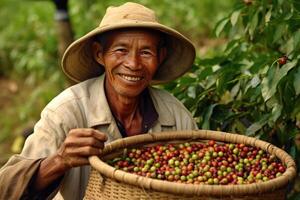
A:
(85, 105)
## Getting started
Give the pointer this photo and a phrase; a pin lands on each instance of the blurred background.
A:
(245, 80)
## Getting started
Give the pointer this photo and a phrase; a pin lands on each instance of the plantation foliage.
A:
(250, 85)
(251, 88)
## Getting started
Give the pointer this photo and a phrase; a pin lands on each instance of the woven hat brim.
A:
(79, 65)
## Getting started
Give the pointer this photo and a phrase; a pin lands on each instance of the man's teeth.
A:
(131, 78)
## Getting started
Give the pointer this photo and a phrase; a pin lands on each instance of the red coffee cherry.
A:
(207, 162)
(282, 60)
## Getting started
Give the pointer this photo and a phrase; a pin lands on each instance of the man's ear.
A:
(162, 55)
(98, 52)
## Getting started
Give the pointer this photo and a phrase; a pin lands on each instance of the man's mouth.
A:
(131, 78)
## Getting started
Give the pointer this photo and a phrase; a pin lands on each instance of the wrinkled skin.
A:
(131, 58)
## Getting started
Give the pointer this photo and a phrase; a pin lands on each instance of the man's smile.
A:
(130, 77)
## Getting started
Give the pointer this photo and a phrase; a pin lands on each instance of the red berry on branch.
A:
(282, 60)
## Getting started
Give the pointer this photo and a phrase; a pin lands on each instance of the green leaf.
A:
(257, 125)
(268, 16)
(234, 17)
(296, 111)
(286, 93)
(297, 81)
(186, 80)
(191, 92)
(235, 89)
(253, 24)
(280, 2)
(255, 81)
(239, 126)
(207, 117)
(205, 73)
(293, 152)
(276, 112)
(296, 39)
(288, 16)
(211, 61)
(226, 98)
(220, 26)
(288, 47)
(279, 32)
(274, 75)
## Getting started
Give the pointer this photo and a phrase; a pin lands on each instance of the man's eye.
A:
(121, 50)
(146, 53)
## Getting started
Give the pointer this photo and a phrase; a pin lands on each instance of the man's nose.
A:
(132, 61)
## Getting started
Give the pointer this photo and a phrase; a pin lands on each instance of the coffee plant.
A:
(252, 87)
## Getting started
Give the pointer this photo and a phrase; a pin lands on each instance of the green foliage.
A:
(245, 89)
(27, 39)
(193, 17)
(28, 55)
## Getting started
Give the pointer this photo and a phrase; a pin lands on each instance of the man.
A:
(134, 51)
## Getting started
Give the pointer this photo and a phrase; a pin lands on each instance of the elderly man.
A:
(115, 64)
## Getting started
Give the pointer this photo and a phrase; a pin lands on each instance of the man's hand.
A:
(79, 145)
(74, 152)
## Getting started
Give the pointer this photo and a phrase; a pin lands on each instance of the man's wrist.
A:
(50, 170)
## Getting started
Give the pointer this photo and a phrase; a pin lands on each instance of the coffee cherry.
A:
(201, 163)
(211, 143)
(282, 60)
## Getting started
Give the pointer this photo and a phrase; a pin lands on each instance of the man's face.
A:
(131, 58)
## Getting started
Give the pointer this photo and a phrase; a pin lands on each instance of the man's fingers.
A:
(100, 136)
(84, 141)
(88, 132)
(85, 151)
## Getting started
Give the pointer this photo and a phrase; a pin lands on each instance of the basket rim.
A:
(191, 189)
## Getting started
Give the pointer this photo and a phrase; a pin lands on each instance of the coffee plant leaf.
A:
(220, 26)
(234, 17)
(251, 130)
(297, 81)
(268, 15)
(207, 117)
(275, 74)
(276, 112)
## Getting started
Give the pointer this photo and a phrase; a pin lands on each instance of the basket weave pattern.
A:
(106, 182)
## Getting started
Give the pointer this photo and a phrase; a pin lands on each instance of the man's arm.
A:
(24, 178)
(74, 152)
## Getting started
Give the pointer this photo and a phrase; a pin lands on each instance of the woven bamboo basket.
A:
(106, 182)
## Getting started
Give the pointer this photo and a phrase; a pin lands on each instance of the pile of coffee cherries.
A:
(201, 163)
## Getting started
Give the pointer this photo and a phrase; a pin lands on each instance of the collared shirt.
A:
(85, 106)
(148, 113)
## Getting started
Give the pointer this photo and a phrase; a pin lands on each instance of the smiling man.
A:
(115, 66)
(131, 58)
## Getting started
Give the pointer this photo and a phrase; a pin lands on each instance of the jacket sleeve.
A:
(15, 176)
